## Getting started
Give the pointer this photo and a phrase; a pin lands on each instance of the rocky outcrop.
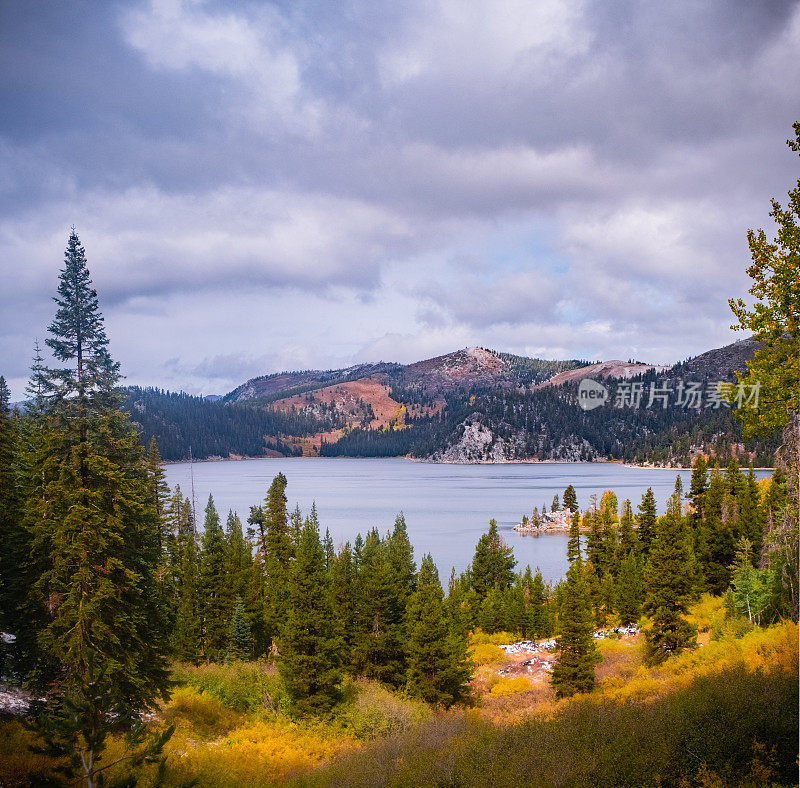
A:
(548, 522)
(478, 443)
(478, 439)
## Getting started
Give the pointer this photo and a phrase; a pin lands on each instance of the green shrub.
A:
(372, 711)
(241, 686)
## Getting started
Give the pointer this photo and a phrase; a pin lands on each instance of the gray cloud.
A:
(215, 152)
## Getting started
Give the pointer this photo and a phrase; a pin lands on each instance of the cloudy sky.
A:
(312, 183)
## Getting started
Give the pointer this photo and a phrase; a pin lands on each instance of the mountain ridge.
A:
(471, 405)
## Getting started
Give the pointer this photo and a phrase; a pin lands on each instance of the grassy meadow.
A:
(723, 714)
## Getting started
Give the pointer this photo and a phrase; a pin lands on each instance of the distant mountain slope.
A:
(180, 422)
(268, 388)
(604, 369)
(463, 370)
(720, 363)
(472, 405)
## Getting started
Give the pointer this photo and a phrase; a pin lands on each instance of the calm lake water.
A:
(447, 507)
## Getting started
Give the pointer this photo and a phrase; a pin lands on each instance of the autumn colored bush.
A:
(256, 754)
(203, 714)
(486, 654)
(478, 636)
(19, 766)
(707, 613)
(510, 686)
(241, 686)
(721, 722)
(373, 711)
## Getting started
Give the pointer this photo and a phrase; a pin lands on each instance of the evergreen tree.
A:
(574, 670)
(628, 538)
(328, 549)
(310, 650)
(493, 563)
(491, 616)
(515, 613)
(456, 604)
(595, 552)
(240, 638)
(214, 584)
(595, 592)
(379, 648)
(439, 668)
(647, 520)
(574, 542)
(718, 545)
(555, 507)
(26, 603)
(277, 556)
(239, 557)
(629, 590)
(296, 526)
(400, 557)
(97, 532)
(669, 584)
(159, 491)
(540, 624)
(11, 587)
(698, 486)
(570, 499)
(255, 605)
(750, 524)
(187, 632)
(343, 587)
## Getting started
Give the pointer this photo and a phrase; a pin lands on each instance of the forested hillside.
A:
(179, 422)
(546, 423)
(470, 406)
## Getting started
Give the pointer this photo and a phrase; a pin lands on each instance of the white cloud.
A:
(251, 50)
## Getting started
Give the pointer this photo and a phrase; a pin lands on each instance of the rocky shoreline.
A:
(548, 523)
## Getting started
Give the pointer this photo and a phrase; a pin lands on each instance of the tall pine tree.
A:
(104, 654)
(574, 670)
(438, 662)
(215, 601)
(669, 586)
(310, 652)
(647, 520)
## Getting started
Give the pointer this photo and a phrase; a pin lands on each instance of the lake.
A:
(447, 507)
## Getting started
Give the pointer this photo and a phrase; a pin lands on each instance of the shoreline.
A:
(435, 462)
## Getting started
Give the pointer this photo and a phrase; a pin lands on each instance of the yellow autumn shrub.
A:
(707, 613)
(487, 654)
(505, 687)
(255, 754)
(478, 636)
(769, 648)
(205, 715)
(18, 765)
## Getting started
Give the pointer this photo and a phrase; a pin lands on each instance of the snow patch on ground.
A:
(14, 701)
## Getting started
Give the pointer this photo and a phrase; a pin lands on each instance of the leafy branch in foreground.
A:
(774, 318)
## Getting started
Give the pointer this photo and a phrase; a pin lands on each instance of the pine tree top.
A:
(78, 337)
